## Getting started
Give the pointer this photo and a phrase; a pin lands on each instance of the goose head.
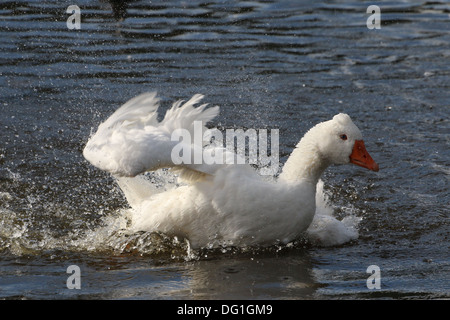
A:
(336, 141)
(339, 141)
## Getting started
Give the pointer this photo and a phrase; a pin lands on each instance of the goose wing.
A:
(132, 140)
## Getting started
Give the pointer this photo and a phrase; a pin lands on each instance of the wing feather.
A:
(132, 140)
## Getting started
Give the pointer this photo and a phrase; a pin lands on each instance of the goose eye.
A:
(343, 137)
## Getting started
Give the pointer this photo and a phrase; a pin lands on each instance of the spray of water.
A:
(55, 227)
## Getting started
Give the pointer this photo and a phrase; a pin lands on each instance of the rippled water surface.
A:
(268, 64)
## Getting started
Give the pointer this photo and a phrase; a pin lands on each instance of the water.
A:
(268, 64)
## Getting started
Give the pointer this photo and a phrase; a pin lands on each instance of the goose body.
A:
(219, 203)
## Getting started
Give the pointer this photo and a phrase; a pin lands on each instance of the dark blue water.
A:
(268, 64)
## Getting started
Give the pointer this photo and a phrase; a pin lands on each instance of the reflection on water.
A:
(282, 64)
(253, 277)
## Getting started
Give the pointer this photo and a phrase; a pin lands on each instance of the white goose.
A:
(221, 204)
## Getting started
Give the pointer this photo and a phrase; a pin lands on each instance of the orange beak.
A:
(361, 157)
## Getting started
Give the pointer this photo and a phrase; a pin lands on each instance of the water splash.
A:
(326, 230)
(33, 232)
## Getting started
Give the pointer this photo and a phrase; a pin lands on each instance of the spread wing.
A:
(132, 140)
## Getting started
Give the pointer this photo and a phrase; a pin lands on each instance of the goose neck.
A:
(305, 163)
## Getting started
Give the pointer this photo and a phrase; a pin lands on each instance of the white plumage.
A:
(132, 140)
(222, 204)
